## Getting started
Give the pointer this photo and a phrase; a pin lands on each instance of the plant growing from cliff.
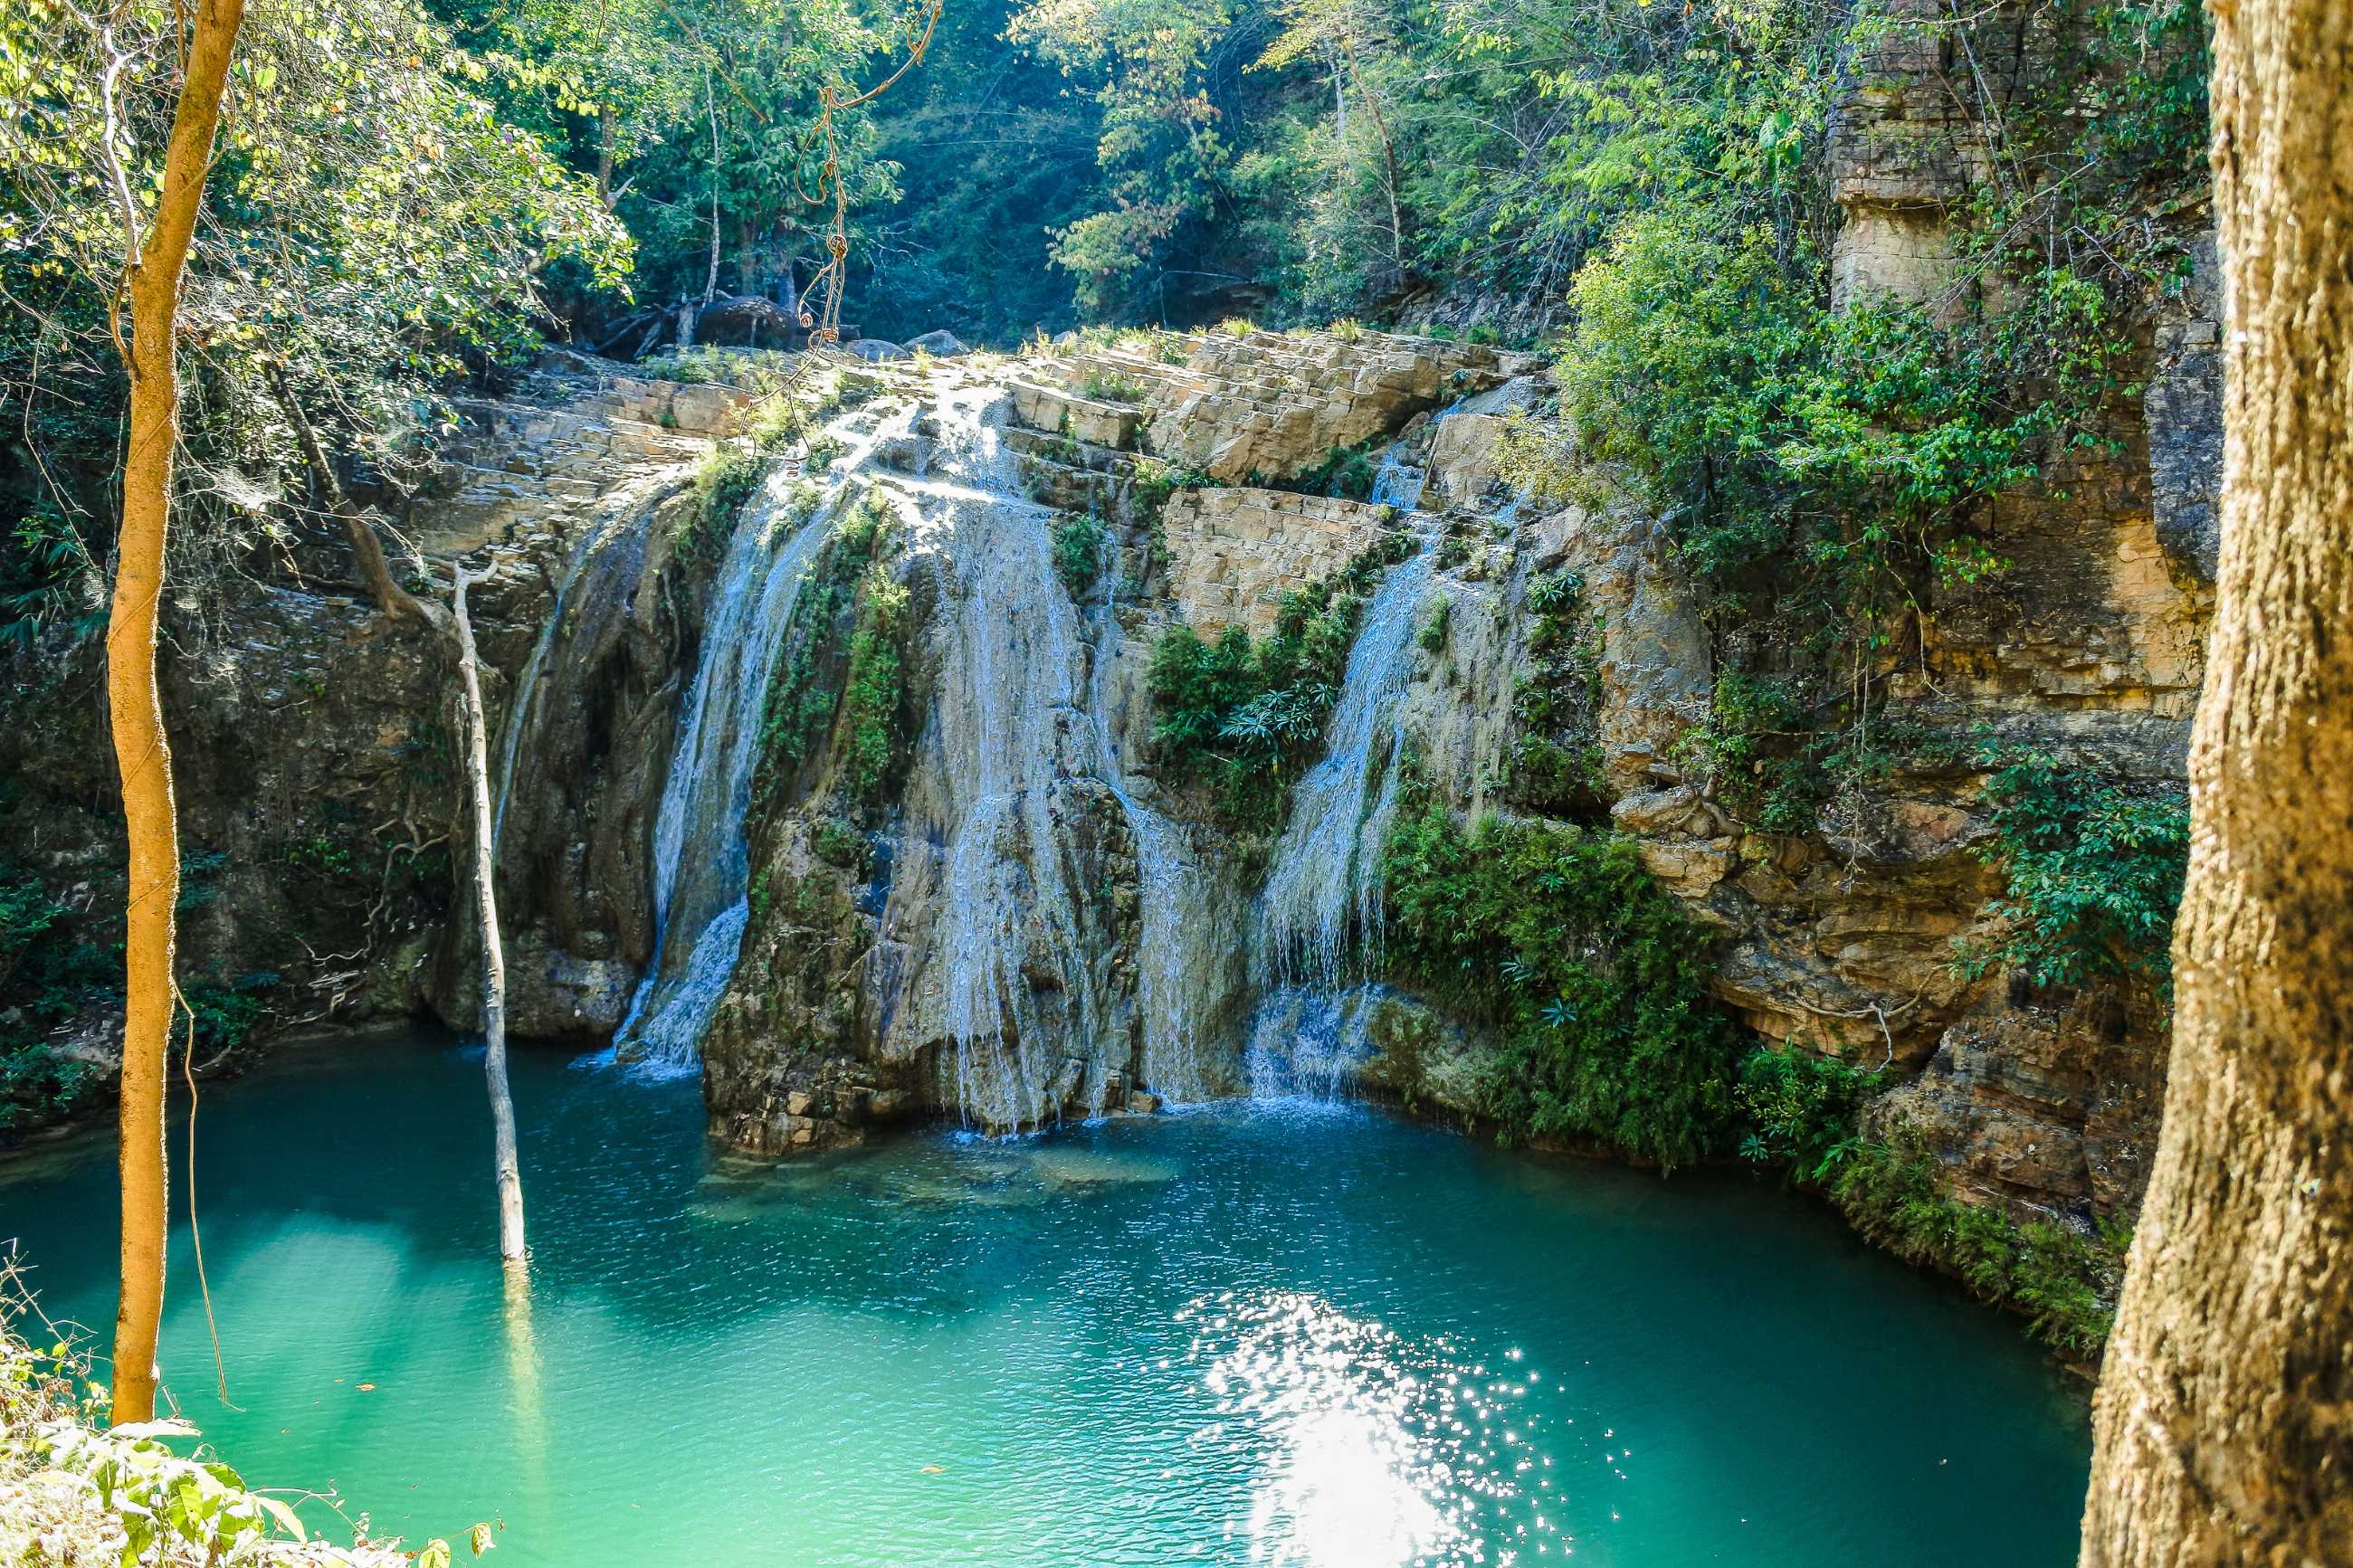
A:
(807, 691)
(2063, 1280)
(1077, 550)
(1802, 1110)
(2093, 869)
(1244, 717)
(1592, 975)
(722, 483)
(1555, 763)
(875, 691)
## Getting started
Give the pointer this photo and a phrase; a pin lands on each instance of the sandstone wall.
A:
(1234, 553)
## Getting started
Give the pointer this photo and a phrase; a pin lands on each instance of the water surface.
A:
(1284, 1335)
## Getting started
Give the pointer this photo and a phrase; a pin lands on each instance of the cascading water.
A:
(1011, 663)
(1323, 890)
(1025, 754)
(1321, 909)
(1178, 974)
(700, 859)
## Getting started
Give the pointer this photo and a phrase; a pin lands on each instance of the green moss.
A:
(1593, 978)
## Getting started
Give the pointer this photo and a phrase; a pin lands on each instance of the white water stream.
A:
(1322, 911)
(701, 858)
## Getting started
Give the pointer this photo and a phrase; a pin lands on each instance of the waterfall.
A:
(1305, 1043)
(701, 858)
(1324, 888)
(1011, 660)
(1322, 900)
(1025, 750)
(1176, 920)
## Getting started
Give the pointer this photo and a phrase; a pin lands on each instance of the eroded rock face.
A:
(1234, 553)
(315, 742)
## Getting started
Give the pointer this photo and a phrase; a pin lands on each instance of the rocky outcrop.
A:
(314, 741)
(1234, 553)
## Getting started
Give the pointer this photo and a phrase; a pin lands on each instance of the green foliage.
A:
(1555, 763)
(2095, 870)
(806, 693)
(372, 231)
(1348, 472)
(2064, 1282)
(40, 1084)
(725, 479)
(1593, 977)
(874, 697)
(1432, 634)
(46, 577)
(1077, 545)
(1244, 718)
(1109, 387)
(839, 843)
(1802, 1110)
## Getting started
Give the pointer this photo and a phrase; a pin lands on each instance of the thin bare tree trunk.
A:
(505, 1167)
(2224, 1432)
(142, 752)
(711, 104)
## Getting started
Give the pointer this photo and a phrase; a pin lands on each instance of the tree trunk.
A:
(505, 1167)
(606, 129)
(394, 601)
(143, 753)
(2224, 1431)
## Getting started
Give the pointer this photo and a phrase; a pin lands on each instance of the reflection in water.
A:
(1376, 1454)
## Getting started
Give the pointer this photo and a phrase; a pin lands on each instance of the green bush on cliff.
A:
(2094, 870)
(1555, 763)
(1077, 542)
(1593, 977)
(1803, 1111)
(1245, 717)
(876, 688)
(724, 482)
(803, 697)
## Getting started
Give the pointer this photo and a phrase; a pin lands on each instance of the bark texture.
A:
(2225, 1421)
(505, 1168)
(142, 752)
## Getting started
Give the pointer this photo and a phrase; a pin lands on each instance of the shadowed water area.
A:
(1257, 1333)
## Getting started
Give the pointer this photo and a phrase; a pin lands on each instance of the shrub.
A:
(875, 691)
(2095, 870)
(1078, 542)
(1594, 978)
(1802, 1110)
(2064, 1282)
(1246, 718)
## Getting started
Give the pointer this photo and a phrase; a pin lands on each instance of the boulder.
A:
(940, 344)
(874, 350)
(746, 321)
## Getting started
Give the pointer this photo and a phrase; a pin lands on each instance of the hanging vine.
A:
(825, 328)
